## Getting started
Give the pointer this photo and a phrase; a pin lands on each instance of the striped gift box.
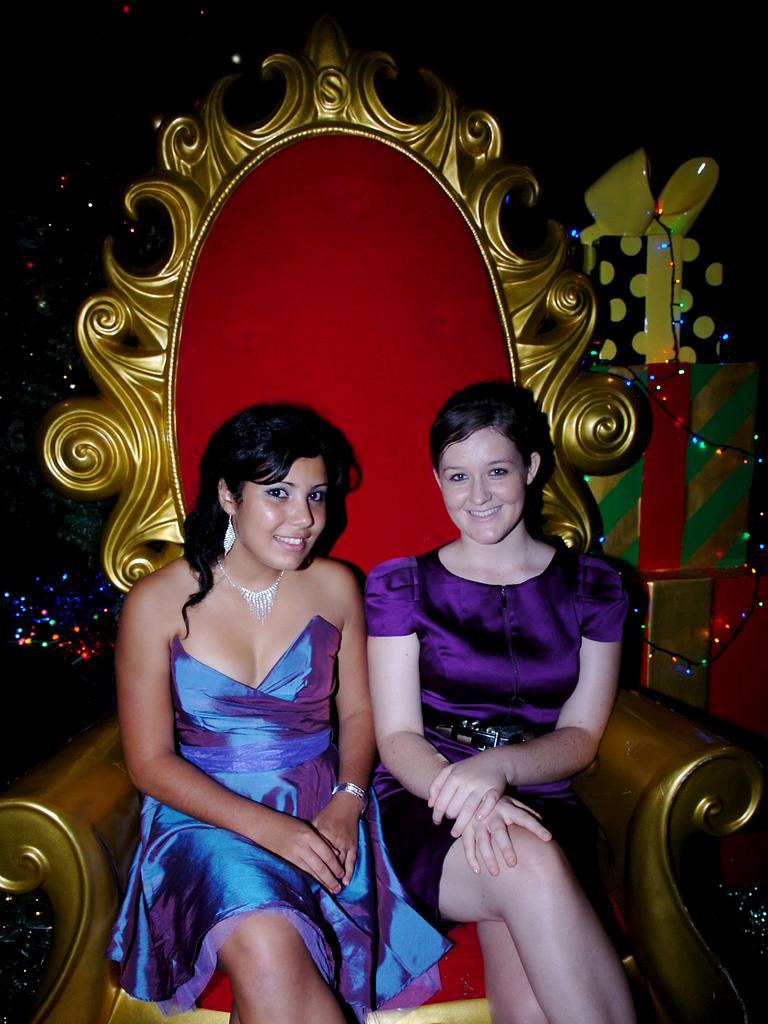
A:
(686, 502)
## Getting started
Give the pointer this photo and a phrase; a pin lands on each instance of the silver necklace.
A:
(259, 602)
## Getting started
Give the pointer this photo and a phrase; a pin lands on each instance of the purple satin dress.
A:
(191, 883)
(497, 653)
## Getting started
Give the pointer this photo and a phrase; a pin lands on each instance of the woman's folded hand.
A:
(299, 842)
(337, 822)
(489, 841)
(467, 789)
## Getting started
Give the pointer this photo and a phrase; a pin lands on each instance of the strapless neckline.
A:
(177, 645)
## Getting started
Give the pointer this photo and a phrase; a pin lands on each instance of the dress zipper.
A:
(515, 698)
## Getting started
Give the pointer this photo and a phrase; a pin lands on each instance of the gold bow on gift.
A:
(621, 203)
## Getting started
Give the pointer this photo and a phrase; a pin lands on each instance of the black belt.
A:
(472, 731)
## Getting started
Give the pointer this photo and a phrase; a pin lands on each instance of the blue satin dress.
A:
(191, 883)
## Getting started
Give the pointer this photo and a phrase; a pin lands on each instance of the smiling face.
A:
(277, 524)
(483, 481)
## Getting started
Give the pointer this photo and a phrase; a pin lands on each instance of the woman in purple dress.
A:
(259, 850)
(494, 664)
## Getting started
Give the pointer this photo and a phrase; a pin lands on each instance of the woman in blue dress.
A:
(259, 851)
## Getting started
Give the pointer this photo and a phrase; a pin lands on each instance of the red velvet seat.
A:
(358, 288)
(339, 275)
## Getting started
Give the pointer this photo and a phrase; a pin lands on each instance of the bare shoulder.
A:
(329, 572)
(159, 597)
(338, 584)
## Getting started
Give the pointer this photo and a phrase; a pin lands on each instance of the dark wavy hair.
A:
(512, 411)
(260, 444)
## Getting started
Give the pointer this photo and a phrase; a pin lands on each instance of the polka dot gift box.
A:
(658, 292)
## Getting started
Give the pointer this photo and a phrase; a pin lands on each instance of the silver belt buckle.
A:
(489, 735)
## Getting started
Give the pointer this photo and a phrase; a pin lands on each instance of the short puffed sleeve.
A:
(391, 597)
(601, 604)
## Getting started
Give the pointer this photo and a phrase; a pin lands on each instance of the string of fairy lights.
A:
(60, 613)
(719, 644)
(653, 390)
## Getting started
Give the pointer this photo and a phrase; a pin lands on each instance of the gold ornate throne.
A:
(339, 256)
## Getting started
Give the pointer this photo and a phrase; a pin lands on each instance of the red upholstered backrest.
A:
(342, 275)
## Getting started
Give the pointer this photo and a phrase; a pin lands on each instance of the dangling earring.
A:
(229, 537)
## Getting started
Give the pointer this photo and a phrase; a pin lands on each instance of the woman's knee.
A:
(542, 873)
(540, 858)
(266, 942)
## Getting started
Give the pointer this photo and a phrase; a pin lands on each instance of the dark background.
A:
(575, 88)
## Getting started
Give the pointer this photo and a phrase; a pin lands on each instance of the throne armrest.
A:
(69, 827)
(659, 780)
